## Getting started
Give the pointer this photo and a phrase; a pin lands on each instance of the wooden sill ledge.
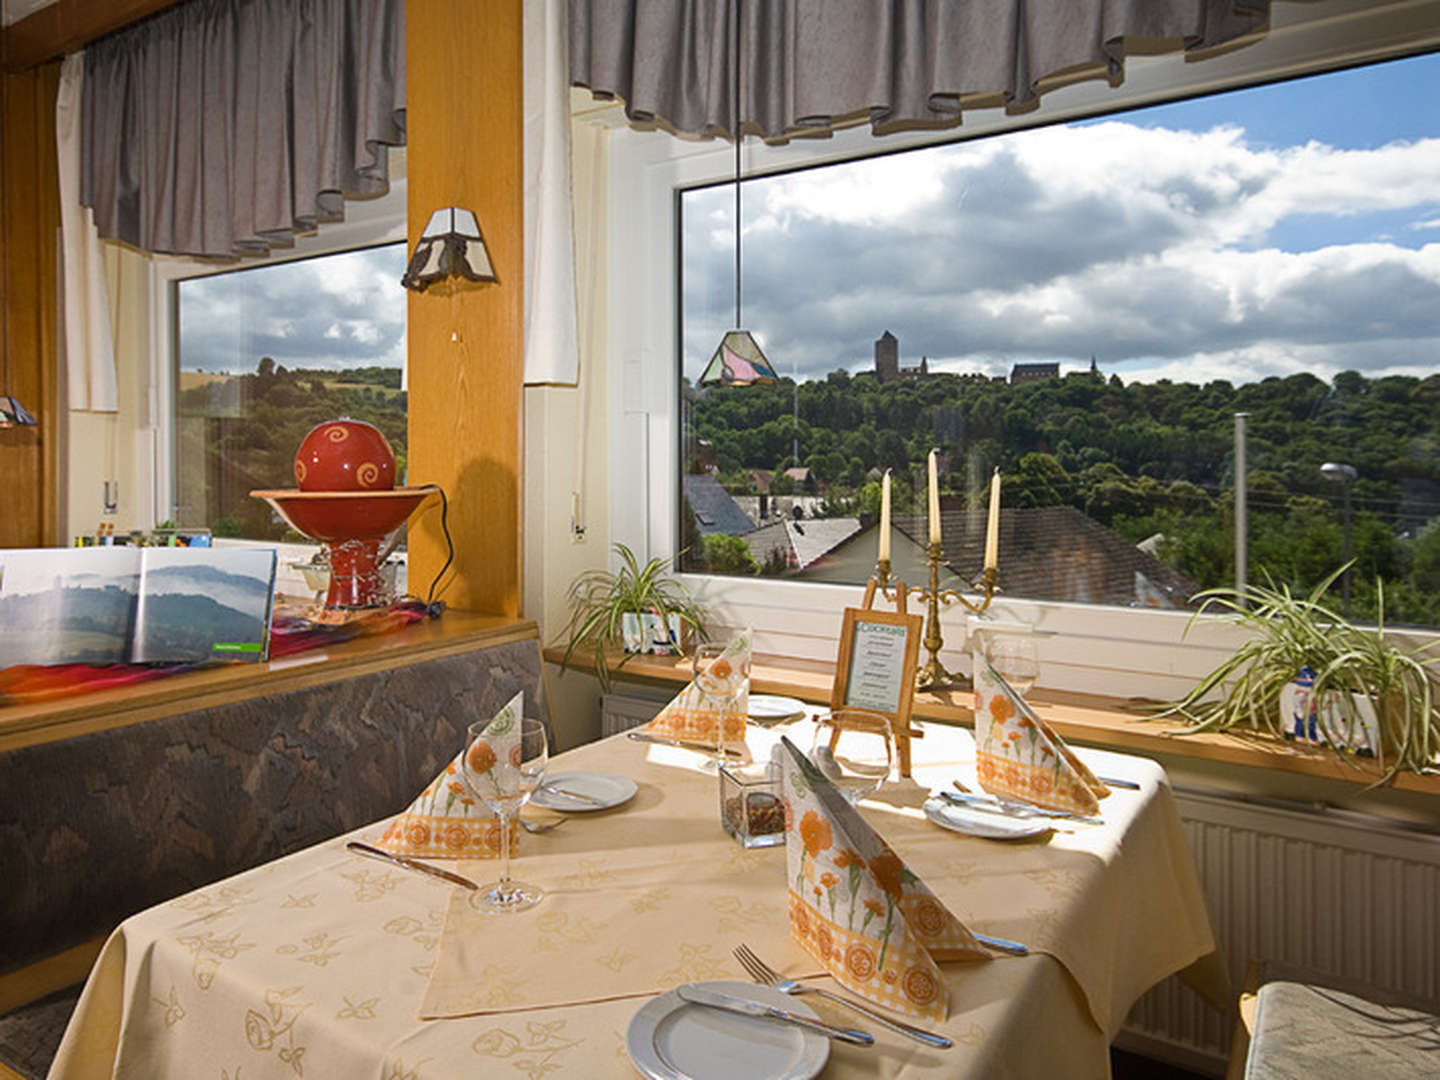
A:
(453, 633)
(1087, 719)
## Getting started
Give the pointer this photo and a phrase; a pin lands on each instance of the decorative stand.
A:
(933, 676)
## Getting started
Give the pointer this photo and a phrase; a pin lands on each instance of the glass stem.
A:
(504, 887)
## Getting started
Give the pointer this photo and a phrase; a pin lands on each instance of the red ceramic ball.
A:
(345, 455)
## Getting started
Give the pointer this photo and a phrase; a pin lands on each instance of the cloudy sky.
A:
(1263, 232)
(334, 311)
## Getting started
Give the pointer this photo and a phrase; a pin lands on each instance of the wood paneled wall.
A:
(465, 134)
(66, 25)
(29, 234)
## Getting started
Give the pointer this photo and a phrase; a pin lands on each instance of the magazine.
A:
(143, 605)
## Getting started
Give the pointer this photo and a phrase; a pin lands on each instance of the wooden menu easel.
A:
(840, 690)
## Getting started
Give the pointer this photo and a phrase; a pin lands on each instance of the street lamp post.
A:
(1344, 475)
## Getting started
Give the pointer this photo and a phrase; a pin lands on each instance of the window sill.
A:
(456, 632)
(1086, 719)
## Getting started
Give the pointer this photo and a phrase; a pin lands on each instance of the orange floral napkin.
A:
(690, 716)
(856, 907)
(446, 820)
(1018, 754)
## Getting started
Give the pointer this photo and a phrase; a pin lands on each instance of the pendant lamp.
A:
(738, 360)
(12, 413)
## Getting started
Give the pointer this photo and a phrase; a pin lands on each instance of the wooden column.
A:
(465, 148)
(29, 464)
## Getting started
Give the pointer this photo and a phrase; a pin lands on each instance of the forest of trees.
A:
(1142, 459)
(243, 432)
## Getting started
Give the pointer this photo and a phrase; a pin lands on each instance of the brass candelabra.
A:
(932, 674)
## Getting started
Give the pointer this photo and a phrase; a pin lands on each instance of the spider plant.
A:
(1289, 632)
(1400, 690)
(600, 599)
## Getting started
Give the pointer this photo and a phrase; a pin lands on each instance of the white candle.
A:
(934, 501)
(992, 527)
(884, 553)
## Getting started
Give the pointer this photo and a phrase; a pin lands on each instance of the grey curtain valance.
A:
(223, 127)
(808, 64)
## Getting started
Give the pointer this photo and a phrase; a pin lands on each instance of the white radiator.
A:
(1345, 894)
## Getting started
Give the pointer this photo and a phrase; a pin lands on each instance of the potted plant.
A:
(600, 600)
(1364, 688)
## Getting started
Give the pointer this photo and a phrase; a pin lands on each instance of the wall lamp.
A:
(450, 246)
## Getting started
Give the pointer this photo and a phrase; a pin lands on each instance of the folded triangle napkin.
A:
(446, 820)
(692, 715)
(856, 907)
(1020, 755)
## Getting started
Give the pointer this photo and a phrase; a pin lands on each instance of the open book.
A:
(135, 605)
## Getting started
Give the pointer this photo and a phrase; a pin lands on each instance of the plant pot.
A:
(1338, 719)
(644, 632)
(1349, 722)
(1298, 719)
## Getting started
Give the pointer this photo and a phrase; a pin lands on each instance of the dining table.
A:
(327, 964)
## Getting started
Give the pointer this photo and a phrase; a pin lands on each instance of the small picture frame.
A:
(875, 669)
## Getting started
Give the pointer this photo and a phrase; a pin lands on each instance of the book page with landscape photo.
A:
(60, 606)
(199, 604)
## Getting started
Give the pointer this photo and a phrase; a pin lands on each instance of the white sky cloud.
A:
(1166, 253)
(327, 312)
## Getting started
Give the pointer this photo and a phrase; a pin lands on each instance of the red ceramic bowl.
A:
(345, 455)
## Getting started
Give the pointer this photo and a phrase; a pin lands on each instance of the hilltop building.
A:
(887, 361)
(1023, 373)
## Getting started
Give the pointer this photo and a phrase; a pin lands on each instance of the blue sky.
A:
(1344, 109)
(1286, 228)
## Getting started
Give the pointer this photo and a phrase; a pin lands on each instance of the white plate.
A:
(608, 789)
(670, 1038)
(770, 707)
(963, 819)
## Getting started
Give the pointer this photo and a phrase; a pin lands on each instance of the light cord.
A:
(736, 103)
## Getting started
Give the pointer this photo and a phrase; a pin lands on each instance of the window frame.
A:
(368, 223)
(1088, 648)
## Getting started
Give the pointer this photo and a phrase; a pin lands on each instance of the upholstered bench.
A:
(1303, 1025)
(99, 825)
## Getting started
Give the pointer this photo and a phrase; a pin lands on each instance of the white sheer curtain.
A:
(551, 338)
(89, 349)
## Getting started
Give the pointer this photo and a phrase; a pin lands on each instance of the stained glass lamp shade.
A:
(450, 246)
(738, 361)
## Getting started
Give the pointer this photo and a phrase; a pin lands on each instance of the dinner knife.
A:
(1115, 781)
(697, 994)
(1010, 808)
(1000, 944)
(640, 736)
(409, 864)
(566, 793)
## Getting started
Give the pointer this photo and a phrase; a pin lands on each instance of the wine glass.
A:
(504, 762)
(1015, 660)
(852, 748)
(720, 684)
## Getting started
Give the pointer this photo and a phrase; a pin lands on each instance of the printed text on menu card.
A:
(877, 667)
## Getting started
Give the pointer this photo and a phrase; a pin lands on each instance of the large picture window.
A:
(266, 353)
(1087, 307)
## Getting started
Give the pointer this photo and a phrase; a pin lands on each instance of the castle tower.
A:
(887, 357)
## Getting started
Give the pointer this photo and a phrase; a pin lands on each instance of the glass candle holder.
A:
(750, 807)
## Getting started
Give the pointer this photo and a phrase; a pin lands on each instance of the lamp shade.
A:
(13, 414)
(450, 246)
(738, 361)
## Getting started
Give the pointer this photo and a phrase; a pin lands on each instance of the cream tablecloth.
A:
(318, 964)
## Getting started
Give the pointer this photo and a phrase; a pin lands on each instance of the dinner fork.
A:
(765, 975)
(537, 827)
